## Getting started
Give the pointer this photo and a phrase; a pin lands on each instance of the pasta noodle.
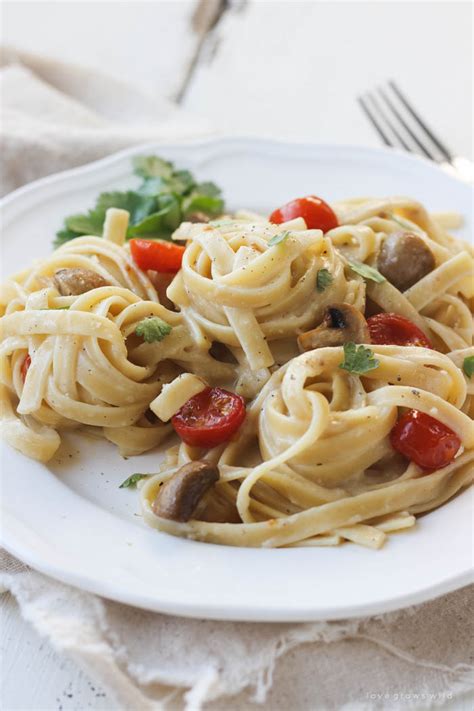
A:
(312, 459)
(327, 463)
(441, 302)
(237, 289)
(87, 368)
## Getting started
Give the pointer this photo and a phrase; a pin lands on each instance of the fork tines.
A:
(398, 124)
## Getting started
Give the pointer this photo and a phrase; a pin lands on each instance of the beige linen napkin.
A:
(54, 117)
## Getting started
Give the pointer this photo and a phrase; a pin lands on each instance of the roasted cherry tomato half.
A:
(209, 418)
(159, 256)
(426, 441)
(316, 213)
(24, 367)
(395, 330)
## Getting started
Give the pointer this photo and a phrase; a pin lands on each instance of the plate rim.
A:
(222, 139)
(226, 612)
(211, 610)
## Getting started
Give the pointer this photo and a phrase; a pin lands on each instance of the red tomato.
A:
(209, 418)
(316, 213)
(426, 441)
(24, 367)
(395, 330)
(159, 256)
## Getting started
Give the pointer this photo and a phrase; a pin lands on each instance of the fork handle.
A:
(460, 167)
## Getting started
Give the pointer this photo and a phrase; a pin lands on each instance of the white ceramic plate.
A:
(71, 521)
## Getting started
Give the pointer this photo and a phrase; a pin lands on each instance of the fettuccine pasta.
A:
(317, 367)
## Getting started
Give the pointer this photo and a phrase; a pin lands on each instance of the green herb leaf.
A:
(132, 480)
(153, 187)
(156, 208)
(161, 223)
(212, 206)
(139, 206)
(367, 272)
(209, 189)
(160, 176)
(468, 366)
(358, 359)
(181, 182)
(63, 236)
(324, 278)
(91, 223)
(278, 239)
(153, 329)
(152, 167)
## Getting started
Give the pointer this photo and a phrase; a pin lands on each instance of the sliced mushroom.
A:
(72, 282)
(404, 259)
(342, 323)
(219, 351)
(179, 497)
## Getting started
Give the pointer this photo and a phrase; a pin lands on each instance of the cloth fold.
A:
(415, 658)
(56, 116)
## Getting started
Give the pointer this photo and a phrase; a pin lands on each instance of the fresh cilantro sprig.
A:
(152, 329)
(132, 480)
(279, 238)
(358, 359)
(164, 198)
(324, 278)
(468, 366)
(366, 272)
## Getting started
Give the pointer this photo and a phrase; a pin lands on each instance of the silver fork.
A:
(399, 125)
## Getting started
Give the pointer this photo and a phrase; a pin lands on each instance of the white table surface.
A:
(289, 69)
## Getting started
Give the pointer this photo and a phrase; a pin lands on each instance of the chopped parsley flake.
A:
(468, 366)
(358, 359)
(153, 329)
(367, 272)
(278, 239)
(324, 278)
(132, 480)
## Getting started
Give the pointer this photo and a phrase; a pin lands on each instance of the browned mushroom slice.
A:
(178, 498)
(404, 259)
(72, 282)
(219, 351)
(342, 323)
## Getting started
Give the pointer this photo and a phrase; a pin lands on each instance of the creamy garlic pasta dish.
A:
(309, 374)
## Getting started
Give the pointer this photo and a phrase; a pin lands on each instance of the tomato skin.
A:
(395, 330)
(316, 213)
(209, 418)
(426, 441)
(160, 256)
(24, 367)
